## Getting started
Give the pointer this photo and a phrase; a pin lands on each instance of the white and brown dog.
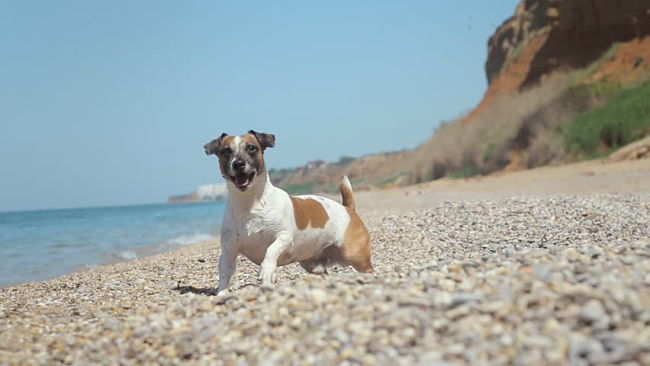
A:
(272, 228)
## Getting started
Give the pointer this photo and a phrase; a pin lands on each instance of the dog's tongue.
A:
(242, 179)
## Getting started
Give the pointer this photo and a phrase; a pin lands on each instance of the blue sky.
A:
(109, 103)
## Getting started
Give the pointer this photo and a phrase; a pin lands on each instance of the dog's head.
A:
(241, 158)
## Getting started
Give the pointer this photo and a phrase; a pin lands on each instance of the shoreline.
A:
(42, 245)
(116, 261)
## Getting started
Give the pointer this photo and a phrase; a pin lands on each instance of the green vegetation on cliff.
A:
(598, 131)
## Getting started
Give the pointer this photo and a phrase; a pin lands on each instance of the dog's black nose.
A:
(238, 164)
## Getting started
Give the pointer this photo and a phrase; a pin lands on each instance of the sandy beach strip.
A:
(550, 278)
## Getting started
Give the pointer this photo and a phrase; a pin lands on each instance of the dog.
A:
(272, 228)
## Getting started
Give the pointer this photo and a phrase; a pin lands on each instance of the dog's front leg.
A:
(270, 262)
(227, 266)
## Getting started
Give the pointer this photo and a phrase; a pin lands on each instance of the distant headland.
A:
(207, 192)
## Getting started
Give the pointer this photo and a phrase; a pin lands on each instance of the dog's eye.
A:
(226, 151)
(251, 148)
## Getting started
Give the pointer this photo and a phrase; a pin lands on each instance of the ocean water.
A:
(37, 245)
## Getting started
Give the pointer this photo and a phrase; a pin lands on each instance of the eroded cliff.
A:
(561, 35)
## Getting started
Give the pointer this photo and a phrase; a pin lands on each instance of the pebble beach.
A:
(528, 279)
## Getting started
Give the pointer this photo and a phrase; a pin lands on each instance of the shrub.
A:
(305, 188)
(625, 118)
(467, 171)
(386, 181)
(345, 160)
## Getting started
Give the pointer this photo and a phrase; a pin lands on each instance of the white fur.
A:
(345, 181)
(235, 144)
(260, 224)
(235, 151)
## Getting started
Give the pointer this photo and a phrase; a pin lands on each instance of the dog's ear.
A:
(265, 139)
(213, 146)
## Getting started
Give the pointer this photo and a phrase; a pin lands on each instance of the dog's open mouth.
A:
(242, 180)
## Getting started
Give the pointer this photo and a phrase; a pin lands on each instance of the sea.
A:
(38, 245)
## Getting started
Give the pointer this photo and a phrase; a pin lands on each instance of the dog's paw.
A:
(267, 276)
(268, 287)
(222, 296)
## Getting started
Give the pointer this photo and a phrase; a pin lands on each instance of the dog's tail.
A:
(347, 195)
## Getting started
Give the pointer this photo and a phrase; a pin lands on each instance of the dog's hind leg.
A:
(311, 265)
(360, 259)
(328, 257)
(356, 245)
(356, 242)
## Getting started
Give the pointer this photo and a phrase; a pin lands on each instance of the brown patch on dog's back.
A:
(308, 211)
(356, 244)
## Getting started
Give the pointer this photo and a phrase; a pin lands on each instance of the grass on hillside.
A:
(466, 171)
(387, 181)
(598, 131)
(295, 189)
(579, 75)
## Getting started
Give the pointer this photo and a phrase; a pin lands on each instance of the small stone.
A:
(542, 272)
(317, 295)
(295, 323)
(463, 297)
(582, 349)
(456, 348)
(430, 358)
(70, 340)
(594, 314)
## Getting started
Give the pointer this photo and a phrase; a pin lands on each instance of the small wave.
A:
(190, 239)
(86, 266)
(127, 254)
(60, 245)
(180, 241)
